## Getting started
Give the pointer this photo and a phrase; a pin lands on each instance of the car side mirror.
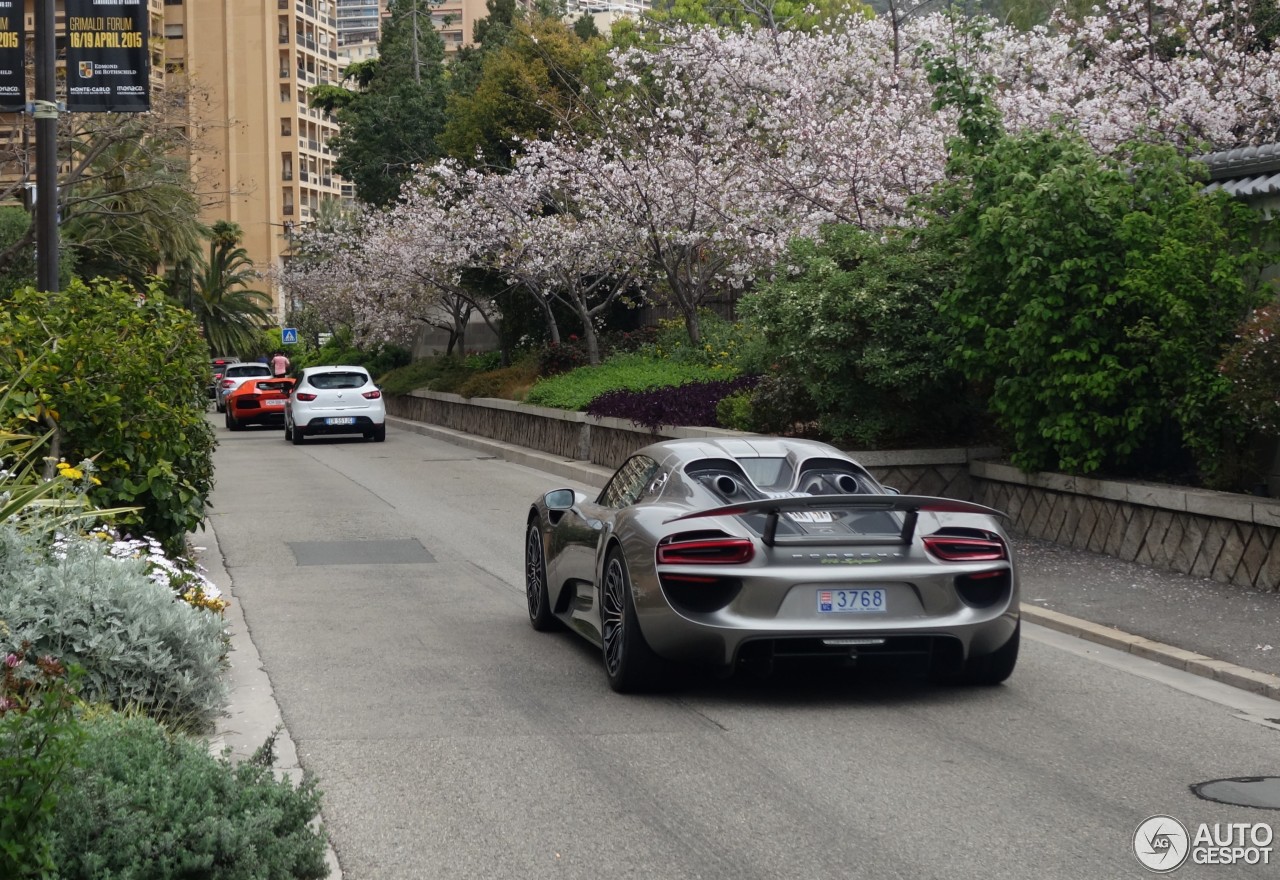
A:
(559, 499)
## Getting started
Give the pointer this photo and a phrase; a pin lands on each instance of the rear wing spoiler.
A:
(910, 505)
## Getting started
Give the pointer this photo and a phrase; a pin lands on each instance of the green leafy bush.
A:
(726, 345)
(147, 803)
(40, 735)
(634, 372)
(121, 375)
(852, 330)
(138, 645)
(1096, 299)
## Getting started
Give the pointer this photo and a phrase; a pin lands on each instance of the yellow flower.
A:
(71, 473)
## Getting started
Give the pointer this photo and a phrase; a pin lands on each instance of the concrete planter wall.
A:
(1229, 538)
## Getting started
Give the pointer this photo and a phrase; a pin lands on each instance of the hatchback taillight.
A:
(372, 395)
(227, 383)
(303, 395)
(706, 551)
(960, 548)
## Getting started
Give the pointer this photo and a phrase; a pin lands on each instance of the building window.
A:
(173, 32)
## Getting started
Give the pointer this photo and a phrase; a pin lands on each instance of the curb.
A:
(1197, 664)
(252, 713)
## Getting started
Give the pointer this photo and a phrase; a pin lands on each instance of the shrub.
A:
(734, 411)
(725, 345)
(693, 403)
(122, 374)
(781, 405)
(852, 329)
(434, 374)
(1252, 366)
(147, 803)
(40, 735)
(577, 388)
(561, 357)
(138, 646)
(508, 383)
(1096, 304)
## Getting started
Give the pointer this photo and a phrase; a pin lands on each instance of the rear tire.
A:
(296, 435)
(996, 667)
(629, 662)
(232, 424)
(379, 433)
(288, 432)
(535, 581)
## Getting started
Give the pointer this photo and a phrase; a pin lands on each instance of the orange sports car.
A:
(258, 402)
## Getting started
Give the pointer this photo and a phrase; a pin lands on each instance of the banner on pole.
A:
(13, 57)
(108, 64)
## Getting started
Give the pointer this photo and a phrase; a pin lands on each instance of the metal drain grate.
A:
(406, 551)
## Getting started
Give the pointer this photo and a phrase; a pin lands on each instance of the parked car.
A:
(335, 400)
(768, 552)
(219, 364)
(233, 375)
(257, 402)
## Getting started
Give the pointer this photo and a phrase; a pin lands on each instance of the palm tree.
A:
(217, 291)
(132, 211)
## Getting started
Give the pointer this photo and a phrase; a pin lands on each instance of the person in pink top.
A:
(279, 364)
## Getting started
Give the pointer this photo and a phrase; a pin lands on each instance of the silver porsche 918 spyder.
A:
(763, 552)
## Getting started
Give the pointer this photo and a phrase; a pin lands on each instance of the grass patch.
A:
(634, 372)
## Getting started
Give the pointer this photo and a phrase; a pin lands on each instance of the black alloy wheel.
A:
(629, 662)
(535, 581)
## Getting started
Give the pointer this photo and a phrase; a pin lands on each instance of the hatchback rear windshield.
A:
(338, 380)
(248, 370)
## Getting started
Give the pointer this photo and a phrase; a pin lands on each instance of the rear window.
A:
(338, 380)
(248, 370)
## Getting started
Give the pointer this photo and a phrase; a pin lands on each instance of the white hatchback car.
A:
(233, 375)
(335, 400)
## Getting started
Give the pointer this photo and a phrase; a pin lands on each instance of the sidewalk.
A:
(1207, 628)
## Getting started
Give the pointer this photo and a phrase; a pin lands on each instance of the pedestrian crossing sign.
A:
(289, 336)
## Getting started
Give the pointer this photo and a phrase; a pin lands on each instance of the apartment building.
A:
(359, 21)
(264, 161)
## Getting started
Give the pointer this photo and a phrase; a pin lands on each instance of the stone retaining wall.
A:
(608, 442)
(1229, 538)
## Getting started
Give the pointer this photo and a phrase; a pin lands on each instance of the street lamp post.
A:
(46, 115)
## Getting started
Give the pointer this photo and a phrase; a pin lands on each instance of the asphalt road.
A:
(452, 741)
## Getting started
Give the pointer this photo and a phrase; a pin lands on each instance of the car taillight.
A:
(958, 548)
(713, 551)
(302, 395)
(372, 395)
(227, 383)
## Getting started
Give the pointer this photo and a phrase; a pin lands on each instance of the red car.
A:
(258, 402)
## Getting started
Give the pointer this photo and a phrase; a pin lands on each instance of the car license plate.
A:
(852, 601)
(811, 516)
(340, 421)
(273, 403)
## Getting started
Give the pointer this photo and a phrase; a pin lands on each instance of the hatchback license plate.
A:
(852, 601)
(342, 421)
